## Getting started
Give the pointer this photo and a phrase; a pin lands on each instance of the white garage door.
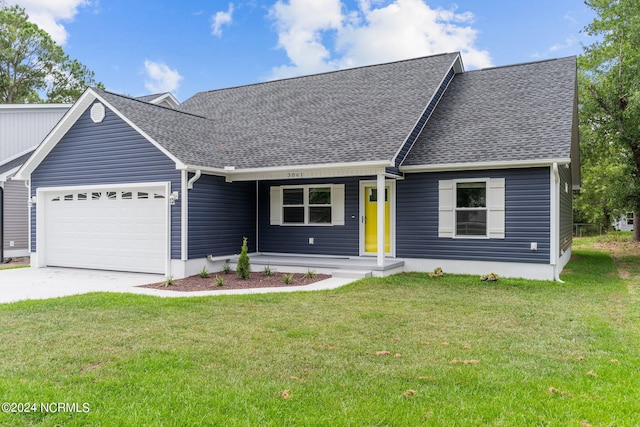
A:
(116, 228)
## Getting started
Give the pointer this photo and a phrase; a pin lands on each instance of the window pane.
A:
(471, 195)
(293, 215)
(373, 195)
(320, 196)
(320, 215)
(293, 196)
(471, 223)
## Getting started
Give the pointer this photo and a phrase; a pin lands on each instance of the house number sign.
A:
(294, 175)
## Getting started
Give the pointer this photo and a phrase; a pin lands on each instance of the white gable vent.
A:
(97, 112)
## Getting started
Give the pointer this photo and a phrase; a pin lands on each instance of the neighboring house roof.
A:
(507, 114)
(10, 166)
(361, 116)
(165, 99)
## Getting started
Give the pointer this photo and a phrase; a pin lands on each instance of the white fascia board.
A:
(55, 135)
(484, 165)
(298, 172)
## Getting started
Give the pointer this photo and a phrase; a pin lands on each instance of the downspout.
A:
(184, 206)
(555, 220)
(193, 179)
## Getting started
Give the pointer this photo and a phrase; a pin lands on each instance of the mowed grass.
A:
(405, 350)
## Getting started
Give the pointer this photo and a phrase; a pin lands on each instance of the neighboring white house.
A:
(624, 223)
(22, 128)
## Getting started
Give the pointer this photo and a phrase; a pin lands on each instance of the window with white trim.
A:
(314, 205)
(471, 208)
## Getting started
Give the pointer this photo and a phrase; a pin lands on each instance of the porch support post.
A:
(381, 219)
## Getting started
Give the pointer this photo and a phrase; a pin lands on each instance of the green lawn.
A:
(459, 352)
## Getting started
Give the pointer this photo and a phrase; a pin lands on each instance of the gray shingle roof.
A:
(519, 112)
(14, 163)
(355, 115)
(513, 113)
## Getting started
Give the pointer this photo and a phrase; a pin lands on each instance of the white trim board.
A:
(503, 269)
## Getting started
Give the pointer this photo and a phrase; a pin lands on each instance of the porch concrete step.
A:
(351, 274)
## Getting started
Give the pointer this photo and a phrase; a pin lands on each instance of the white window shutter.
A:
(446, 200)
(496, 208)
(337, 203)
(275, 203)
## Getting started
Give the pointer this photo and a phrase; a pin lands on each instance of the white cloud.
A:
(318, 36)
(220, 19)
(161, 78)
(568, 43)
(48, 15)
(301, 25)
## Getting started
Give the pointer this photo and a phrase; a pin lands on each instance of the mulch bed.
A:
(232, 281)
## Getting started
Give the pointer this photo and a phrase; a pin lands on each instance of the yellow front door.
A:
(371, 219)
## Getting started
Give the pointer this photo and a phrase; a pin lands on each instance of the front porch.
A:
(352, 267)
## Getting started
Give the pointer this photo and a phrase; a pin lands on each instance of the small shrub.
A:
(267, 271)
(288, 279)
(310, 274)
(491, 277)
(204, 273)
(243, 270)
(219, 281)
(169, 282)
(226, 268)
(437, 272)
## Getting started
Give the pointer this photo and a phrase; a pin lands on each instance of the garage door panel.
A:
(112, 229)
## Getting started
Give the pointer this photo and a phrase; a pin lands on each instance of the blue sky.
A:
(138, 47)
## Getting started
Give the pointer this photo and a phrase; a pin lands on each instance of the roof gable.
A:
(518, 113)
(116, 103)
(164, 99)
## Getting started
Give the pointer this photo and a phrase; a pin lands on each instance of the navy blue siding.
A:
(220, 215)
(527, 219)
(566, 208)
(415, 133)
(329, 240)
(111, 152)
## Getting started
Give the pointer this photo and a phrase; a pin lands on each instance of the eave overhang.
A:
(232, 173)
(508, 164)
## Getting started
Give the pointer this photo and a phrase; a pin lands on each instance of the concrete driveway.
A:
(40, 283)
(51, 282)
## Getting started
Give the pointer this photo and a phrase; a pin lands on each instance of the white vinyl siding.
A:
(308, 205)
(494, 207)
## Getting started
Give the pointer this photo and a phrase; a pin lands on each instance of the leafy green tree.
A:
(32, 64)
(611, 95)
(605, 173)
